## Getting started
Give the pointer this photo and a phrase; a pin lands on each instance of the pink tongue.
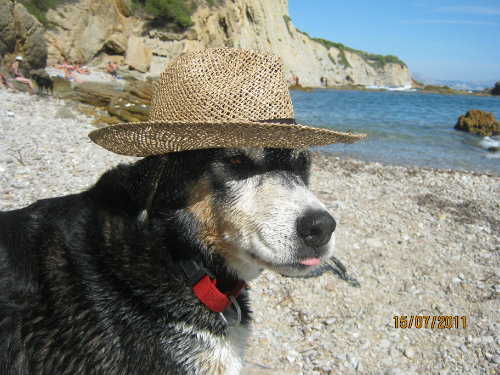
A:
(310, 262)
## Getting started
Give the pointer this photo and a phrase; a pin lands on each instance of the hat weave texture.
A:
(215, 98)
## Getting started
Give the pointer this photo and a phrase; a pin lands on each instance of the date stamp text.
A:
(430, 321)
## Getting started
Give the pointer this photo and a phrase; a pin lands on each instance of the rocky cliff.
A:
(20, 34)
(96, 31)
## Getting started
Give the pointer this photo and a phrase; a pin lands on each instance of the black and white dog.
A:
(144, 272)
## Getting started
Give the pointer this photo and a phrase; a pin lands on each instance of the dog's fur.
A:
(90, 283)
(43, 83)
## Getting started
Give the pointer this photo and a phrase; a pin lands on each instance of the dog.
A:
(43, 83)
(104, 281)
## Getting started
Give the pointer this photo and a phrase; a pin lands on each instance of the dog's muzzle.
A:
(315, 228)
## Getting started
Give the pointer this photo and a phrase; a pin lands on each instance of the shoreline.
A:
(417, 241)
(430, 90)
(413, 168)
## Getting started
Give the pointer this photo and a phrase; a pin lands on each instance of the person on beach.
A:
(19, 77)
(112, 69)
(4, 81)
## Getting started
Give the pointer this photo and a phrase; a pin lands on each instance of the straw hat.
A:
(216, 98)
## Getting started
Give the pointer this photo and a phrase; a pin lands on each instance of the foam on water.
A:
(488, 142)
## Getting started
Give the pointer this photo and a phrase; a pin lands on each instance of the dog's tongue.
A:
(310, 262)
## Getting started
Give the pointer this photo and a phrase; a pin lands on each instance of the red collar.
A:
(205, 286)
(213, 298)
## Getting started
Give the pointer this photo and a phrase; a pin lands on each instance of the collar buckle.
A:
(193, 272)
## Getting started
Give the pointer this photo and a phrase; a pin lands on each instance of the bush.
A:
(176, 11)
(378, 60)
(38, 8)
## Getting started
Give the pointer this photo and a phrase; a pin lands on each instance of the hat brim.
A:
(154, 138)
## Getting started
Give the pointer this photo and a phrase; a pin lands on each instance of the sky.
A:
(442, 39)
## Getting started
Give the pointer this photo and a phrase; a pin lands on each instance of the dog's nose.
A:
(316, 227)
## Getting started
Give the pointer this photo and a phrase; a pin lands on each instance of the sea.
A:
(408, 128)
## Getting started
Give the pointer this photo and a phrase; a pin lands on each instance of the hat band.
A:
(290, 121)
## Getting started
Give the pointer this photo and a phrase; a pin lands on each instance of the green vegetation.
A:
(38, 8)
(331, 58)
(287, 20)
(176, 11)
(378, 60)
(303, 33)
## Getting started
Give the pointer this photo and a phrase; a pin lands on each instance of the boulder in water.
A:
(496, 90)
(478, 122)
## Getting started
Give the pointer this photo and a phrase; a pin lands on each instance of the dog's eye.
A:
(303, 161)
(236, 160)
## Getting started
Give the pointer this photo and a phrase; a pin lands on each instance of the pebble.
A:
(292, 356)
(409, 353)
(401, 256)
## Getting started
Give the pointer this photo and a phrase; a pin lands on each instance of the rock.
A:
(292, 356)
(116, 44)
(65, 112)
(394, 371)
(374, 242)
(143, 90)
(123, 7)
(83, 30)
(128, 108)
(7, 28)
(299, 87)
(21, 34)
(409, 353)
(496, 90)
(494, 149)
(478, 122)
(138, 55)
(61, 84)
(96, 94)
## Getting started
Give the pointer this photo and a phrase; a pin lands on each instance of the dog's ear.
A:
(143, 182)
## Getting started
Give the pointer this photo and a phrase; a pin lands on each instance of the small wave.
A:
(488, 142)
(401, 88)
(493, 155)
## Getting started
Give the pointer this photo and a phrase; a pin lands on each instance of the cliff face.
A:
(21, 34)
(92, 30)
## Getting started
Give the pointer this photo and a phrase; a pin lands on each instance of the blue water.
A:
(403, 128)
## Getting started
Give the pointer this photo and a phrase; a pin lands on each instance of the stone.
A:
(7, 28)
(141, 89)
(65, 112)
(116, 44)
(93, 93)
(138, 56)
(21, 34)
(30, 37)
(61, 84)
(82, 30)
(394, 371)
(123, 7)
(79, 30)
(374, 242)
(496, 89)
(292, 356)
(478, 122)
(128, 108)
(409, 353)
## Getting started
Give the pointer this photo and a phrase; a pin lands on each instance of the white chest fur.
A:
(207, 354)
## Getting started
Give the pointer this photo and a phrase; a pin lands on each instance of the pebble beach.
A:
(415, 243)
